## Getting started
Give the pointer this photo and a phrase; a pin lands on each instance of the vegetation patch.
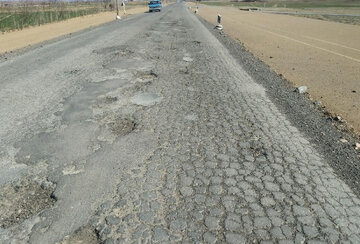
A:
(20, 20)
(19, 15)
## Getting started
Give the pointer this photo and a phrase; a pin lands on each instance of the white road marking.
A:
(310, 45)
(332, 43)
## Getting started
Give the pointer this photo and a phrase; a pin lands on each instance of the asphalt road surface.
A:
(149, 131)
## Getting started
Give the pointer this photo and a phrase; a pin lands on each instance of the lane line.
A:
(263, 27)
(332, 43)
(305, 36)
(307, 44)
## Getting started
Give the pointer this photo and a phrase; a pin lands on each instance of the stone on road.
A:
(199, 154)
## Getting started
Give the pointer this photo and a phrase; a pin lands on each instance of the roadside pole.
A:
(123, 4)
(197, 7)
(219, 26)
(117, 10)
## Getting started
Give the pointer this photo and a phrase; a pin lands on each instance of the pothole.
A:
(73, 170)
(124, 52)
(184, 71)
(127, 64)
(146, 99)
(84, 235)
(119, 74)
(122, 126)
(20, 200)
(191, 117)
(72, 72)
(146, 35)
(110, 99)
(115, 50)
(146, 77)
(187, 59)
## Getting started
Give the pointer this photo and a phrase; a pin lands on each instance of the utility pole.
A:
(123, 4)
(117, 10)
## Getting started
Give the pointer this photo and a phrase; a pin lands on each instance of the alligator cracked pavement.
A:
(149, 131)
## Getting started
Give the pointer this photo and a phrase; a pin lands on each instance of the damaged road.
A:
(148, 130)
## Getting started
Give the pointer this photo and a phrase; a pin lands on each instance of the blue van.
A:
(155, 5)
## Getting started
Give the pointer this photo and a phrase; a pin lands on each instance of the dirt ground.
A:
(324, 56)
(18, 39)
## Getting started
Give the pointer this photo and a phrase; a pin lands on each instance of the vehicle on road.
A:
(155, 6)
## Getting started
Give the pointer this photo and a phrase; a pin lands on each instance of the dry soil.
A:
(324, 56)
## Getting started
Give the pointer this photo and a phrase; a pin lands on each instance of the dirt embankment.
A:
(324, 56)
(18, 39)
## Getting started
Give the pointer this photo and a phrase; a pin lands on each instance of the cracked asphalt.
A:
(150, 131)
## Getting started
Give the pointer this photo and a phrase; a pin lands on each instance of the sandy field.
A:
(323, 55)
(18, 39)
